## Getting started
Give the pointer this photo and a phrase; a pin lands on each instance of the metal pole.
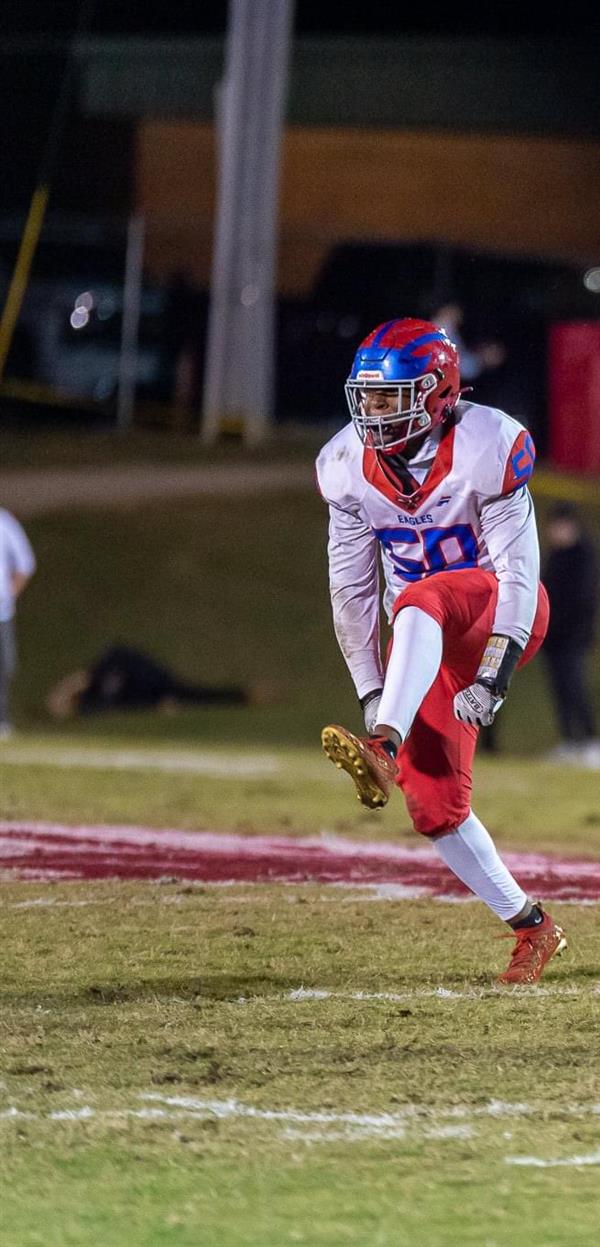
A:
(132, 297)
(239, 361)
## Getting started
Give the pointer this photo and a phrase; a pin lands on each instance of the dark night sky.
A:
(374, 17)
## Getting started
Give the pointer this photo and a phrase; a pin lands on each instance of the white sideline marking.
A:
(388, 892)
(233, 767)
(592, 1159)
(224, 1109)
(323, 1125)
(438, 993)
(47, 902)
(72, 1114)
(410, 1112)
(441, 993)
(450, 1132)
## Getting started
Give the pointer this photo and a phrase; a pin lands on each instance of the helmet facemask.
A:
(404, 381)
(390, 430)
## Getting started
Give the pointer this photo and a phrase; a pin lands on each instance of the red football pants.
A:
(435, 763)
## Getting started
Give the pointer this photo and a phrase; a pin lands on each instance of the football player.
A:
(433, 488)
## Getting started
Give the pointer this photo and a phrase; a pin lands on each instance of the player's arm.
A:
(18, 582)
(510, 534)
(354, 588)
(21, 557)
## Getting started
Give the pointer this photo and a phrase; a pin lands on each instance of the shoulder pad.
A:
(498, 448)
(339, 468)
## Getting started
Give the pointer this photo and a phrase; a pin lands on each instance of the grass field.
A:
(223, 592)
(265, 1064)
(164, 1080)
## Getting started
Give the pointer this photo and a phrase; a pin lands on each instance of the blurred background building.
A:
(425, 158)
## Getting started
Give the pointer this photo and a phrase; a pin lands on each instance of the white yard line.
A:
(224, 1110)
(299, 994)
(50, 902)
(248, 766)
(410, 1112)
(455, 1122)
(593, 1158)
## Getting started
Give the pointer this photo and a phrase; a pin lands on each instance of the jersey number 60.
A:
(432, 542)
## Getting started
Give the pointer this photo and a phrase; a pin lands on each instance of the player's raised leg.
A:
(412, 667)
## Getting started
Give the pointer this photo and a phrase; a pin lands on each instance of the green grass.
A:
(112, 992)
(525, 804)
(62, 447)
(136, 991)
(231, 592)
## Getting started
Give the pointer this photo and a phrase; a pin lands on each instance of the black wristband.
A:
(498, 664)
(369, 697)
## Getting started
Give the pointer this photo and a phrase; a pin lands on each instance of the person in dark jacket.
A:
(571, 575)
(124, 678)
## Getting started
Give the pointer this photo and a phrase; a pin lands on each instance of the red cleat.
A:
(367, 762)
(532, 951)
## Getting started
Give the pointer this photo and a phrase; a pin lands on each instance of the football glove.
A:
(477, 705)
(370, 707)
(480, 702)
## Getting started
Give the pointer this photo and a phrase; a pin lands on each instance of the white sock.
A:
(471, 855)
(413, 665)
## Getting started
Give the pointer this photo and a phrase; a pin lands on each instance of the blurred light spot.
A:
(79, 317)
(106, 308)
(85, 300)
(348, 327)
(591, 280)
(249, 295)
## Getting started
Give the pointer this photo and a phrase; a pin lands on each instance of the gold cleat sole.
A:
(347, 757)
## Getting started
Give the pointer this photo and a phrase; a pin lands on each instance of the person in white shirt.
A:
(433, 489)
(17, 565)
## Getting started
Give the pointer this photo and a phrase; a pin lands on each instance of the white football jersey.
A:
(464, 503)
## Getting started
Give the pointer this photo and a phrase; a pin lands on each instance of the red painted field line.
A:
(44, 851)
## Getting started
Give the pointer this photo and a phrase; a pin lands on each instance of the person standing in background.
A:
(17, 565)
(571, 574)
(483, 358)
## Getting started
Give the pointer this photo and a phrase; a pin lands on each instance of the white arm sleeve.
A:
(354, 588)
(20, 553)
(510, 533)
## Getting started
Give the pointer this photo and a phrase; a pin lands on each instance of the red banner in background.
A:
(574, 395)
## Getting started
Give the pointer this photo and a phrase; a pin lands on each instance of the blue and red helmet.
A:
(416, 361)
